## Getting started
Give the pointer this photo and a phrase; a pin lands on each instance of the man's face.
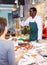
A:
(32, 13)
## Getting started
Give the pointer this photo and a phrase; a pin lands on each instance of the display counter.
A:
(32, 52)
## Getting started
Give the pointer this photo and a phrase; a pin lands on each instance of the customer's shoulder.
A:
(6, 42)
(9, 42)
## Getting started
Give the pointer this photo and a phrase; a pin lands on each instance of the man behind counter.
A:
(35, 23)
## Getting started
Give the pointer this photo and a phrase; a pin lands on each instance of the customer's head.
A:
(3, 23)
(33, 12)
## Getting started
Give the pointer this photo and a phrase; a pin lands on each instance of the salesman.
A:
(35, 23)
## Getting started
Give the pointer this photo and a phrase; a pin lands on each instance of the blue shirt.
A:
(7, 56)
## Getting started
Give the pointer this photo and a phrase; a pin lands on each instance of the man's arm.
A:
(40, 28)
(24, 23)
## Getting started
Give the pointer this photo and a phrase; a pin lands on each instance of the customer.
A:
(7, 56)
(35, 23)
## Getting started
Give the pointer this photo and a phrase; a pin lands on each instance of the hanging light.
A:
(33, 2)
(16, 1)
